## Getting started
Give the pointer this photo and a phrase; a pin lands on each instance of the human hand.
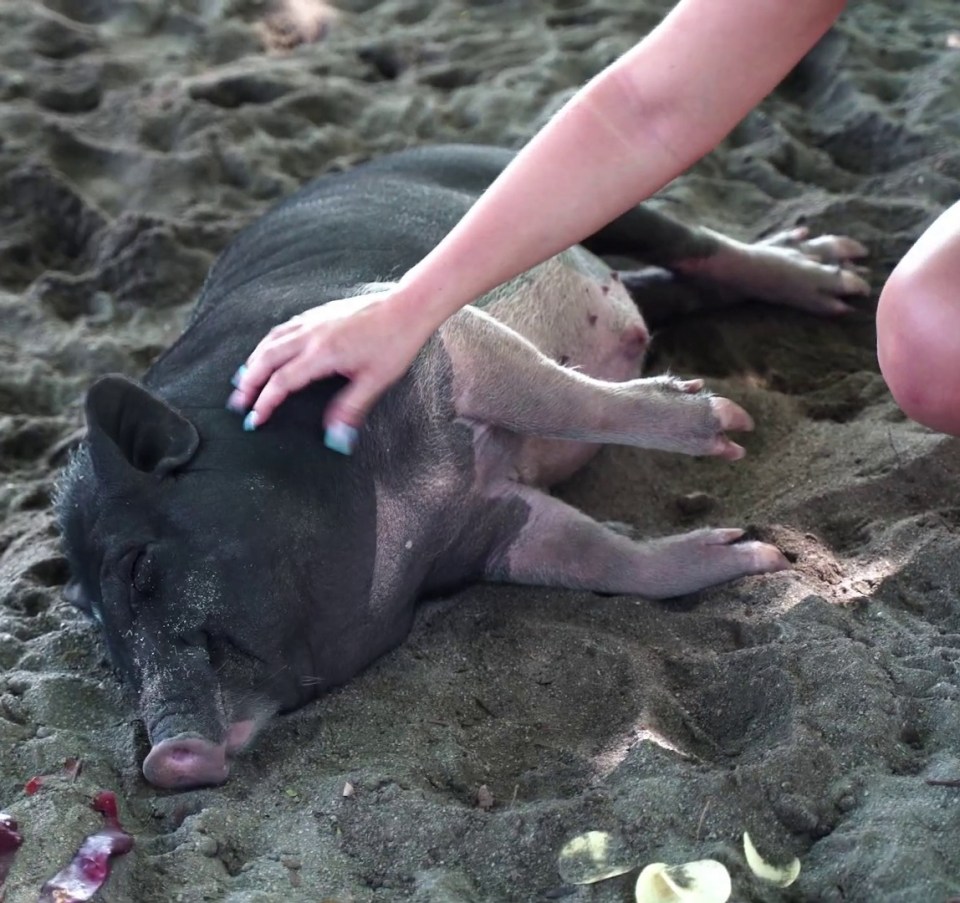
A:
(363, 339)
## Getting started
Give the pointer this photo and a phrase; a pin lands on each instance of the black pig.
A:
(237, 575)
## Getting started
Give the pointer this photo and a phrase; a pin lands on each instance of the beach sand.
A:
(812, 707)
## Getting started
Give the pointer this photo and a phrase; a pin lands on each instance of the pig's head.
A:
(217, 565)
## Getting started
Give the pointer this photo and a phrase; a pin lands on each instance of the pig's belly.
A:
(577, 312)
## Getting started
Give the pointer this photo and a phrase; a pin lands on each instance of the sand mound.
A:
(811, 708)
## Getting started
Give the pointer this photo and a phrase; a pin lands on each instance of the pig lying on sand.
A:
(229, 570)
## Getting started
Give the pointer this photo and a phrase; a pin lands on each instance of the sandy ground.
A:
(811, 708)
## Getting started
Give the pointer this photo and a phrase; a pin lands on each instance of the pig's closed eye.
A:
(143, 573)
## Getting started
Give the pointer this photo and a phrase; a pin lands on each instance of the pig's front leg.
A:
(501, 379)
(560, 546)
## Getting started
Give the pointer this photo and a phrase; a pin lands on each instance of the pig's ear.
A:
(129, 426)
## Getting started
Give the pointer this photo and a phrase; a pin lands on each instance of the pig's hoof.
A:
(766, 559)
(825, 248)
(186, 761)
(709, 557)
(761, 557)
(812, 274)
(728, 415)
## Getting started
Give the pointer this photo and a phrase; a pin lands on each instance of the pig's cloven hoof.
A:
(186, 761)
(730, 416)
(813, 274)
(758, 557)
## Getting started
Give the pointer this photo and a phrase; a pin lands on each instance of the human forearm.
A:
(632, 129)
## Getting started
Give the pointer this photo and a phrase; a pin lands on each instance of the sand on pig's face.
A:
(810, 708)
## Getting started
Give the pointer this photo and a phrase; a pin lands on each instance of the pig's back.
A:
(327, 241)
(370, 224)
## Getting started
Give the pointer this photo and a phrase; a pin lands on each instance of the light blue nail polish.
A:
(250, 422)
(235, 379)
(340, 438)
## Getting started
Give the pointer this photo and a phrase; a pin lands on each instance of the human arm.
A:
(634, 127)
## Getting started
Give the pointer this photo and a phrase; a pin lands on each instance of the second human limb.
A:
(918, 327)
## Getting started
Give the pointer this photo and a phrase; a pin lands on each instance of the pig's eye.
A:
(144, 573)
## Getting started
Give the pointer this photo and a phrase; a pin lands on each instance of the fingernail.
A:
(235, 379)
(250, 422)
(340, 438)
(235, 403)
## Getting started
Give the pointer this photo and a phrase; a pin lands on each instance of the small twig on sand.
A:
(703, 816)
(945, 782)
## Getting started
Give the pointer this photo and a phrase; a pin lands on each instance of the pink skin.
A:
(192, 761)
(918, 327)
(635, 341)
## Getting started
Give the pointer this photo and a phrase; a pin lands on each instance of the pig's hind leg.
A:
(561, 546)
(701, 268)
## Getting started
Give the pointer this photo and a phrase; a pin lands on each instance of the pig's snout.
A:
(185, 761)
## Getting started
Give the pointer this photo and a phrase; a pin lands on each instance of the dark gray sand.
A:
(812, 708)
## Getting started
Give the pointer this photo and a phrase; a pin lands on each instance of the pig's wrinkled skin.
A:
(238, 575)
